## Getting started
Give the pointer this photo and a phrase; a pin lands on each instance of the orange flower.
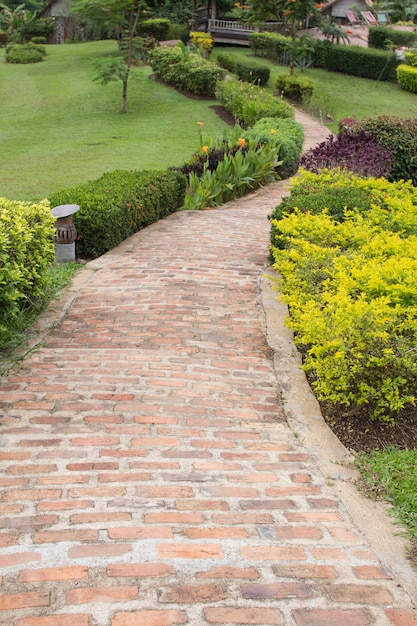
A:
(201, 124)
(205, 149)
(273, 131)
(241, 142)
(319, 6)
(287, 12)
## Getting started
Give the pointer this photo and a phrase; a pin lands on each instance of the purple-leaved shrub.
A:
(358, 152)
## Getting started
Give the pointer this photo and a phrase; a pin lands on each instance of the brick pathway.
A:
(149, 477)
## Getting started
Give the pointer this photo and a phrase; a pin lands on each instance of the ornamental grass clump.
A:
(352, 295)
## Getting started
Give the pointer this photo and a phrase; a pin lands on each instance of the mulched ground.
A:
(360, 434)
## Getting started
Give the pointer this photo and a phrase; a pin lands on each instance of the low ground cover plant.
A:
(25, 53)
(349, 282)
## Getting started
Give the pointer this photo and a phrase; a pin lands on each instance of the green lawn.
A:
(58, 128)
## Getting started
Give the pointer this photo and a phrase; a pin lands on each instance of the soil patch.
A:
(223, 114)
(358, 433)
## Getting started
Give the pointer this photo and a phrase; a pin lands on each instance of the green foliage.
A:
(391, 474)
(407, 77)
(411, 58)
(119, 204)
(25, 53)
(245, 69)
(158, 28)
(202, 42)
(193, 74)
(249, 103)
(288, 134)
(356, 60)
(270, 45)
(26, 252)
(400, 135)
(40, 27)
(4, 38)
(385, 38)
(237, 174)
(350, 286)
(295, 88)
(39, 40)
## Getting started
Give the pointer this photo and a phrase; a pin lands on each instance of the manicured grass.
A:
(62, 129)
(391, 474)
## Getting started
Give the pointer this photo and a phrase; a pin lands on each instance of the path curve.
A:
(151, 472)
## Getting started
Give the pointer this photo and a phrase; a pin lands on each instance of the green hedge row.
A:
(249, 103)
(119, 204)
(26, 252)
(192, 73)
(407, 77)
(356, 61)
(385, 37)
(25, 53)
(244, 69)
(271, 46)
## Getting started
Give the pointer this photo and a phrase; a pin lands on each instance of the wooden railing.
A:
(228, 25)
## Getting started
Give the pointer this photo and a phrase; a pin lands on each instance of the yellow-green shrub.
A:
(26, 252)
(352, 294)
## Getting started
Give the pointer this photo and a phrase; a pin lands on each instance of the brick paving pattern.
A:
(149, 477)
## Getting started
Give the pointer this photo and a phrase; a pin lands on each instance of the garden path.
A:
(151, 473)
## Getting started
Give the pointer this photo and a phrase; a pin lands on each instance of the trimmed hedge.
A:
(407, 77)
(399, 135)
(356, 61)
(295, 88)
(192, 73)
(271, 46)
(244, 68)
(26, 253)
(25, 53)
(249, 103)
(288, 133)
(385, 37)
(157, 27)
(351, 290)
(119, 204)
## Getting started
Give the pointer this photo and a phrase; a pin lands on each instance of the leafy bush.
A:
(158, 28)
(407, 77)
(24, 53)
(295, 88)
(288, 135)
(192, 74)
(39, 40)
(245, 69)
(270, 45)
(238, 173)
(385, 37)
(39, 27)
(227, 60)
(400, 136)
(359, 152)
(356, 61)
(4, 38)
(249, 103)
(411, 58)
(26, 252)
(119, 204)
(350, 286)
(202, 41)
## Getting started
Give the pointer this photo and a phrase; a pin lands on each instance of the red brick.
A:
(247, 615)
(31, 469)
(140, 570)
(243, 518)
(124, 477)
(189, 551)
(63, 480)
(11, 508)
(365, 594)
(234, 492)
(155, 419)
(40, 443)
(95, 441)
(261, 591)
(87, 467)
(68, 534)
(104, 419)
(29, 521)
(53, 573)
(273, 553)
(24, 600)
(215, 533)
(217, 466)
(343, 535)
(65, 505)
(202, 505)
(87, 518)
(282, 503)
(293, 457)
(143, 532)
(398, 617)
(260, 477)
(86, 595)
(173, 518)
(123, 453)
(370, 572)
(8, 560)
(328, 554)
(100, 549)
(31, 494)
(55, 620)
(181, 594)
(154, 442)
(314, 516)
(96, 492)
(298, 532)
(150, 618)
(14, 456)
(305, 570)
(155, 465)
(155, 491)
(301, 477)
(229, 572)
(208, 443)
(8, 539)
(323, 617)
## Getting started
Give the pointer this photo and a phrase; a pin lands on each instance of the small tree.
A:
(120, 17)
